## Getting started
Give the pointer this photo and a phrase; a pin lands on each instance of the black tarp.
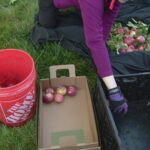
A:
(137, 9)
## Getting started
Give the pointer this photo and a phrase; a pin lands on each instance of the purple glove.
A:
(118, 103)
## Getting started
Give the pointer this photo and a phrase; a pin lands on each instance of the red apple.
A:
(61, 90)
(50, 90)
(131, 48)
(140, 48)
(48, 97)
(132, 33)
(72, 90)
(129, 40)
(120, 30)
(140, 39)
(58, 98)
(122, 50)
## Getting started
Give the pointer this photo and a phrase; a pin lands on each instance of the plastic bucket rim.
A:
(28, 76)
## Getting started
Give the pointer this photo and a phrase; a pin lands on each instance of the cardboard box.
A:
(69, 125)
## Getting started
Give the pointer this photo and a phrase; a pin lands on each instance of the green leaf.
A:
(12, 2)
(130, 24)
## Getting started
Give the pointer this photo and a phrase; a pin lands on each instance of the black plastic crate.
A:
(130, 131)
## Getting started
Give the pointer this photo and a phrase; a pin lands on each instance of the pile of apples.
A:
(58, 94)
(132, 41)
(134, 36)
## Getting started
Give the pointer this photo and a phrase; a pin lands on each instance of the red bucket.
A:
(17, 87)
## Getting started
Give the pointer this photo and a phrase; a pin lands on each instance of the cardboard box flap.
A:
(70, 68)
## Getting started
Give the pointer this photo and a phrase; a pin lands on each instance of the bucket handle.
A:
(69, 67)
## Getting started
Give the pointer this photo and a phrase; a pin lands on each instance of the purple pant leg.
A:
(65, 3)
(92, 14)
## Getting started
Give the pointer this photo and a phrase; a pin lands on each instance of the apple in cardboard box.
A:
(61, 90)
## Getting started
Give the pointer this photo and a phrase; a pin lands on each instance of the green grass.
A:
(16, 22)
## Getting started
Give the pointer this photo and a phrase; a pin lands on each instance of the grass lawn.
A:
(16, 22)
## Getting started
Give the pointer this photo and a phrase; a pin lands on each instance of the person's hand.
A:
(117, 101)
(119, 108)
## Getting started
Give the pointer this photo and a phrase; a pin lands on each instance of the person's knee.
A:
(48, 14)
(45, 4)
